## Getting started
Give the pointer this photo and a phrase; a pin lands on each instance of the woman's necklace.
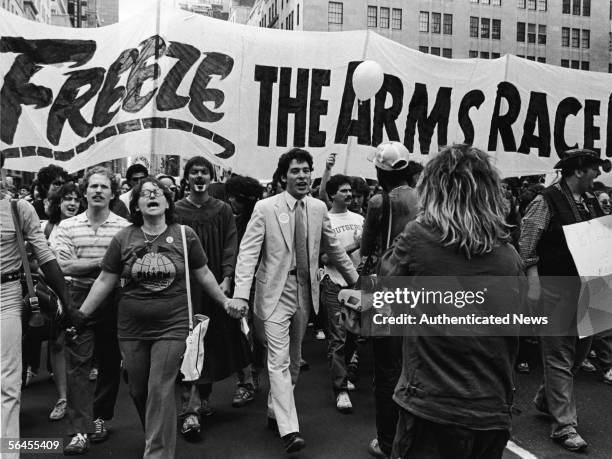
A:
(149, 242)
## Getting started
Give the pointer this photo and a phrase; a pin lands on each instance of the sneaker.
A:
(607, 377)
(100, 433)
(320, 335)
(523, 368)
(350, 386)
(30, 375)
(242, 396)
(78, 445)
(191, 428)
(294, 442)
(59, 410)
(343, 403)
(588, 366)
(374, 449)
(572, 441)
(93, 374)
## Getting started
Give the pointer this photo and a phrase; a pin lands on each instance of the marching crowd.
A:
(118, 255)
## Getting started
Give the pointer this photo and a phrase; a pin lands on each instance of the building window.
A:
(396, 19)
(298, 14)
(586, 39)
(495, 55)
(436, 22)
(384, 18)
(531, 33)
(473, 54)
(372, 16)
(531, 4)
(541, 34)
(520, 31)
(609, 68)
(566, 10)
(575, 64)
(586, 10)
(435, 51)
(575, 38)
(609, 41)
(335, 12)
(520, 4)
(496, 2)
(575, 11)
(584, 65)
(473, 27)
(424, 49)
(484, 55)
(473, 1)
(485, 27)
(542, 5)
(447, 53)
(565, 34)
(485, 2)
(496, 29)
(447, 26)
(424, 21)
(564, 63)
(542, 60)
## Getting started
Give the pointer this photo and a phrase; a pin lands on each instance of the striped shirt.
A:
(75, 239)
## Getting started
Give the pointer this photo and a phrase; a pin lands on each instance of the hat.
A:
(390, 156)
(581, 157)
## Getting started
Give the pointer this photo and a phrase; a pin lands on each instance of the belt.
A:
(10, 276)
(293, 272)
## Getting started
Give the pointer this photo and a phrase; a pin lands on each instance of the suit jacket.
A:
(269, 234)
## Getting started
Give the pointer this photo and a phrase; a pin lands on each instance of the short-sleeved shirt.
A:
(345, 225)
(153, 293)
(75, 239)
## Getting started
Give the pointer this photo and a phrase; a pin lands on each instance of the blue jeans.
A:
(417, 438)
(341, 344)
(561, 356)
(152, 367)
(84, 402)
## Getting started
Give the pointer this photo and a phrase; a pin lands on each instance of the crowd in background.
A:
(367, 217)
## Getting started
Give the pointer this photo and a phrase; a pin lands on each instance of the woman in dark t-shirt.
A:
(148, 259)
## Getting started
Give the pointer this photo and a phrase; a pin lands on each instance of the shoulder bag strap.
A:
(24, 257)
(187, 278)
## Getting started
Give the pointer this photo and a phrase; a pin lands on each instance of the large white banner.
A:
(183, 84)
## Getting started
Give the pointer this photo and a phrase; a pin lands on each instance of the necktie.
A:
(301, 244)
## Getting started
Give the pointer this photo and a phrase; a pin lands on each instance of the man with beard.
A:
(554, 284)
(227, 349)
(80, 244)
(289, 230)
(347, 226)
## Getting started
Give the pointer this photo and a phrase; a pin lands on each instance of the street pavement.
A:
(241, 432)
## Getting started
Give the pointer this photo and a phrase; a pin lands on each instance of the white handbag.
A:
(193, 360)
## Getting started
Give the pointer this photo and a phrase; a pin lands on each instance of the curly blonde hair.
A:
(460, 196)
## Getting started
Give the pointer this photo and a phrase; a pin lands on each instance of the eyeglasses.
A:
(151, 193)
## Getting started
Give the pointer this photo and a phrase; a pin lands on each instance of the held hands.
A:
(236, 307)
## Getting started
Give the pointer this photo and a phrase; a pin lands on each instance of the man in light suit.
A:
(289, 230)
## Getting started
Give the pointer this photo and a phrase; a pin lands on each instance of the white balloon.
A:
(367, 79)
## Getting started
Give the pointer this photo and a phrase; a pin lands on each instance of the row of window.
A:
(379, 17)
(446, 52)
(440, 23)
(487, 2)
(540, 5)
(584, 65)
(574, 7)
(483, 55)
(488, 28)
(576, 35)
(527, 32)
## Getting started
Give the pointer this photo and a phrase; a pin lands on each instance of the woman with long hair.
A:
(455, 392)
(148, 258)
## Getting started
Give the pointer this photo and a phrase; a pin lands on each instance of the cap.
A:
(390, 156)
(581, 157)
